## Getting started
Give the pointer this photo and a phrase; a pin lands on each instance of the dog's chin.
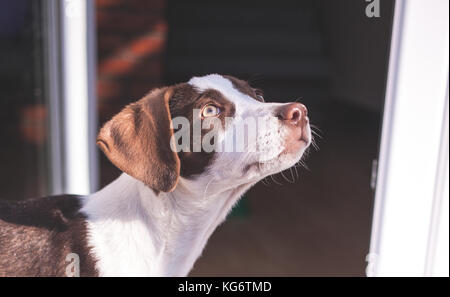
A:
(284, 160)
(287, 160)
(296, 147)
(291, 155)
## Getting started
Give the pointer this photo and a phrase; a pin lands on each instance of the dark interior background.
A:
(325, 53)
(23, 115)
(334, 59)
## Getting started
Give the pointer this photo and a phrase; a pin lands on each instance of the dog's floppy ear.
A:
(137, 141)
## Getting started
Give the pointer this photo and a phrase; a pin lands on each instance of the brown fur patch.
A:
(184, 100)
(137, 140)
(243, 87)
(36, 235)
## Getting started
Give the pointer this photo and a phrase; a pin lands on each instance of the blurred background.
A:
(328, 54)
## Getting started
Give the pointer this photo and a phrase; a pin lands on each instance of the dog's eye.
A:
(210, 111)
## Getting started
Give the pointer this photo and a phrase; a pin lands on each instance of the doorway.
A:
(330, 56)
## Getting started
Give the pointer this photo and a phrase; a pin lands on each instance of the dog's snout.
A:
(292, 112)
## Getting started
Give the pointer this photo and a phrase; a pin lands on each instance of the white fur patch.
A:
(134, 232)
(223, 85)
(270, 134)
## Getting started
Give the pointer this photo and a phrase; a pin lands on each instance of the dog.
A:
(156, 217)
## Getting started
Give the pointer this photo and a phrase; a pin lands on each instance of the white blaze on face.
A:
(270, 136)
(267, 144)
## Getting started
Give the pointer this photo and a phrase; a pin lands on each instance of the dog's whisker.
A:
(314, 144)
(282, 175)
(275, 181)
(206, 188)
(316, 133)
(308, 152)
(292, 175)
(304, 165)
(316, 128)
(289, 181)
(296, 173)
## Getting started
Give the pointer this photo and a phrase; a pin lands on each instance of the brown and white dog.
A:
(155, 219)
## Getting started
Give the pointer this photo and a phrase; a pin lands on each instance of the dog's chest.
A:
(123, 248)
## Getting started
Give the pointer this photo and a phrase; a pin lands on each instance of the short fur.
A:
(36, 235)
(155, 219)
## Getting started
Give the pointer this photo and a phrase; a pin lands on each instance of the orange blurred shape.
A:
(33, 124)
(147, 45)
(132, 53)
(107, 88)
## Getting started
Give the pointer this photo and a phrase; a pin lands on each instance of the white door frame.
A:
(407, 237)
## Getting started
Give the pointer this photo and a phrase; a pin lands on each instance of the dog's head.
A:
(214, 126)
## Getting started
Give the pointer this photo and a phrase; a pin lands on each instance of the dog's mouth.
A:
(305, 140)
(289, 155)
(296, 145)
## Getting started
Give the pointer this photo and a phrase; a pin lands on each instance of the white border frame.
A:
(411, 146)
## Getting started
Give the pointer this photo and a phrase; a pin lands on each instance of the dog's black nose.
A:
(292, 112)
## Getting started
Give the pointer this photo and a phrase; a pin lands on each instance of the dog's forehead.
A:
(224, 85)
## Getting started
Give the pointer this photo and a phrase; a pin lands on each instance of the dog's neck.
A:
(134, 231)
